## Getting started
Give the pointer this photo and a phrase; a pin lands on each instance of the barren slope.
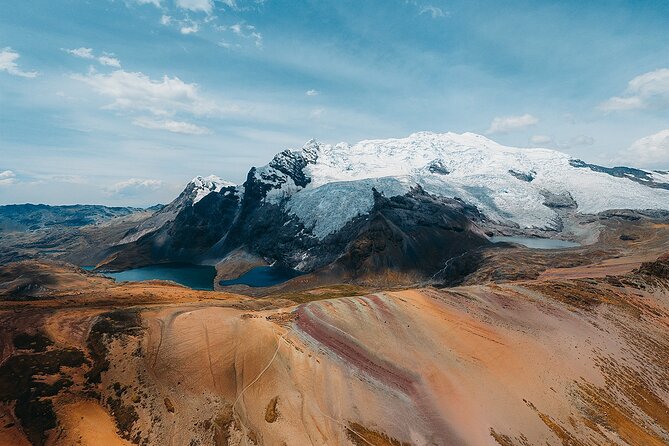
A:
(559, 361)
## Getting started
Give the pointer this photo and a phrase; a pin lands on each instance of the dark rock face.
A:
(523, 176)
(191, 232)
(292, 164)
(415, 233)
(659, 268)
(558, 201)
(438, 167)
(637, 175)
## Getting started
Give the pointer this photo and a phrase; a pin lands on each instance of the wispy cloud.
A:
(138, 92)
(433, 11)
(506, 124)
(651, 151)
(7, 177)
(87, 53)
(109, 61)
(155, 3)
(8, 58)
(646, 91)
(84, 53)
(312, 92)
(245, 31)
(190, 29)
(134, 186)
(206, 6)
(182, 127)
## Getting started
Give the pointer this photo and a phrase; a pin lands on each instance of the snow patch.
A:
(203, 186)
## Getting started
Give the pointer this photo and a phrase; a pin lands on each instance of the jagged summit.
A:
(203, 186)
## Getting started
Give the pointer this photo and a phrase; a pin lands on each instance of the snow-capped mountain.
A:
(411, 203)
(203, 186)
(509, 185)
(194, 192)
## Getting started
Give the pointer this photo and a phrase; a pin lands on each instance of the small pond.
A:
(535, 242)
(262, 276)
(197, 277)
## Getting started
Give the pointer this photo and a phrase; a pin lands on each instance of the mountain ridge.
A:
(310, 208)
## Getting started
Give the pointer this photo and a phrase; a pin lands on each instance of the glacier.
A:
(507, 184)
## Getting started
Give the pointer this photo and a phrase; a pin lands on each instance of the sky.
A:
(122, 102)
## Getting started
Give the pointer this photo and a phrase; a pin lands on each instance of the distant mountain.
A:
(34, 217)
(407, 204)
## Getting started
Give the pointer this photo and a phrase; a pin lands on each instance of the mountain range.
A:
(406, 205)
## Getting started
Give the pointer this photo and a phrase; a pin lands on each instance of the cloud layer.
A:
(651, 151)
(135, 91)
(506, 124)
(87, 53)
(647, 91)
(7, 177)
(8, 58)
(134, 186)
(182, 127)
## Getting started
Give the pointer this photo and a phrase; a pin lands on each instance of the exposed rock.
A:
(561, 200)
(523, 176)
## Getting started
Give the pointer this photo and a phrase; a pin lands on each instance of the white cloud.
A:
(155, 3)
(193, 28)
(87, 53)
(196, 5)
(8, 58)
(138, 92)
(165, 20)
(646, 91)
(109, 61)
(228, 45)
(651, 151)
(245, 31)
(71, 179)
(312, 92)
(506, 124)
(7, 177)
(134, 186)
(84, 53)
(171, 126)
(433, 11)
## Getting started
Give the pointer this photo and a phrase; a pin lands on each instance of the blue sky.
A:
(122, 102)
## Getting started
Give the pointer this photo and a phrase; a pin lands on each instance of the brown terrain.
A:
(565, 347)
